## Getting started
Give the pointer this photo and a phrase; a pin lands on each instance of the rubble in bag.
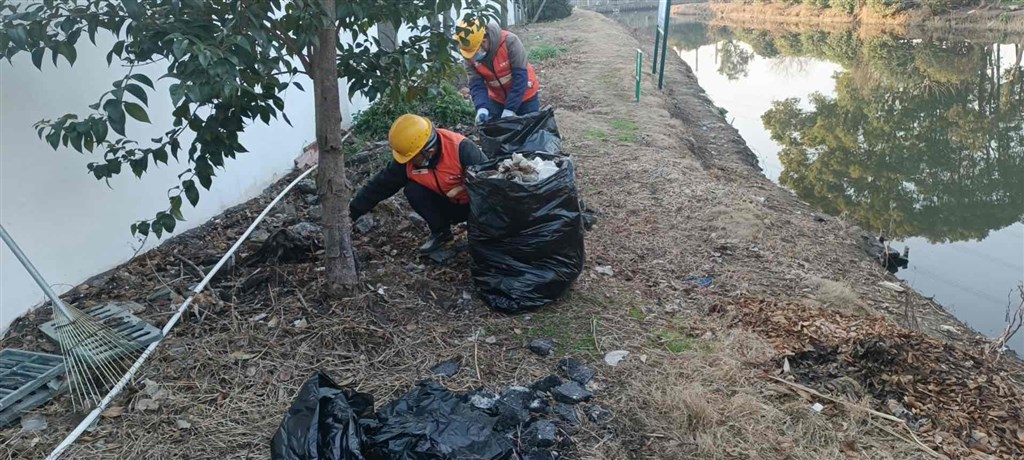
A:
(526, 240)
(432, 422)
(522, 170)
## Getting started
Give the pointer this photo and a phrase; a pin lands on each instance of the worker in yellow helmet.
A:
(501, 81)
(430, 164)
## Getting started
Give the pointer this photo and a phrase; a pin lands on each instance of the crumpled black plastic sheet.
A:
(526, 240)
(323, 423)
(430, 422)
(533, 132)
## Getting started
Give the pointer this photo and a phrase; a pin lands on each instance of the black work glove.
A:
(354, 215)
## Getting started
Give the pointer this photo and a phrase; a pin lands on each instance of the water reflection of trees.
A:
(923, 137)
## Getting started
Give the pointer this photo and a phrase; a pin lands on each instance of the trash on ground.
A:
(604, 270)
(323, 423)
(535, 132)
(599, 415)
(521, 170)
(28, 380)
(526, 241)
(306, 186)
(546, 384)
(571, 393)
(613, 358)
(363, 224)
(700, 281)
(891, 286)
(146, 404)
(576, 370)
(567, 412)
(542, 347)
(431, 422)
(817, 407)
(33, 423)
(446, 369)
(293, 244)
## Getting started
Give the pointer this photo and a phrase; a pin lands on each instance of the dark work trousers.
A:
(439, 212)
(527, 107)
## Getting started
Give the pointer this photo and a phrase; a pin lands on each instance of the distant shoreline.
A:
(991, 19)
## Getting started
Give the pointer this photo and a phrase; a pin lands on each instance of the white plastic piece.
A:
(613, 358)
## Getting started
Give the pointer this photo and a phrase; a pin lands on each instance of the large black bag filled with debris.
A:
(534, 132)
(430, 422)
(323, 423)
(525, 237)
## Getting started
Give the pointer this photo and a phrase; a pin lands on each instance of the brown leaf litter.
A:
(961, 403)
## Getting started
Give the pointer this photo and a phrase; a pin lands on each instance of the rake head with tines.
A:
(95, 356)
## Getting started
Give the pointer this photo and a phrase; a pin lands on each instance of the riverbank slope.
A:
(714, 279)
(988, 19)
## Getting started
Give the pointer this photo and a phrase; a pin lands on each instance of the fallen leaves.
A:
(926, 382)
(242, 355)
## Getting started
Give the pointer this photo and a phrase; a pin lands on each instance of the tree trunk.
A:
(332, 184)
(387, 35)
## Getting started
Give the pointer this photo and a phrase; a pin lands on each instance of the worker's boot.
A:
(436, 241)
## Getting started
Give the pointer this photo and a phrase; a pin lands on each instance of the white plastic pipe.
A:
(89, 419)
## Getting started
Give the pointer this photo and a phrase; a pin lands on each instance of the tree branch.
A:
(292, 46)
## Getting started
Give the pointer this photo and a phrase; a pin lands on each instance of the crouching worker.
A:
(501, 81)
(430, 163)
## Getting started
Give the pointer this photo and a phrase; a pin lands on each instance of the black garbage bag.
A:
(430, 422)
(323, 423)
(534, 132)
(526, 239)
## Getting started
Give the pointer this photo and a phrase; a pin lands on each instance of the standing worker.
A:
(430, 163)
(502, 83)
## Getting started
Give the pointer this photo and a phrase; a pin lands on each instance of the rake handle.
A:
(33, 272)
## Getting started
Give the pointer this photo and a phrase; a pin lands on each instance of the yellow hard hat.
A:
(470, 42)
(408, 136)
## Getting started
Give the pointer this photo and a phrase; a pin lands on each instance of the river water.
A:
(917, 136)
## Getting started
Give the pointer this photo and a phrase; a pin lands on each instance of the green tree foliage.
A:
(443, 105)
(229, 64)
(548, 10)
(923, 138)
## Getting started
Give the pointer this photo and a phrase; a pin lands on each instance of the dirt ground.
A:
(793, 297)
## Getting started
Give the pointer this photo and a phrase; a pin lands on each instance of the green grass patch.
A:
(625, 130)
(677, 342)
(573, 334)
(543, 51)
(636, 314)
(594, 134)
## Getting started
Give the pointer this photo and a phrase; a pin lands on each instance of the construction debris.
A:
(522, 170)
(431, 421)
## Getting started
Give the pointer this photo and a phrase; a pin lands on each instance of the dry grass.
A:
(838, 295)
(715, 405)
(691, 386)
(744, 221)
